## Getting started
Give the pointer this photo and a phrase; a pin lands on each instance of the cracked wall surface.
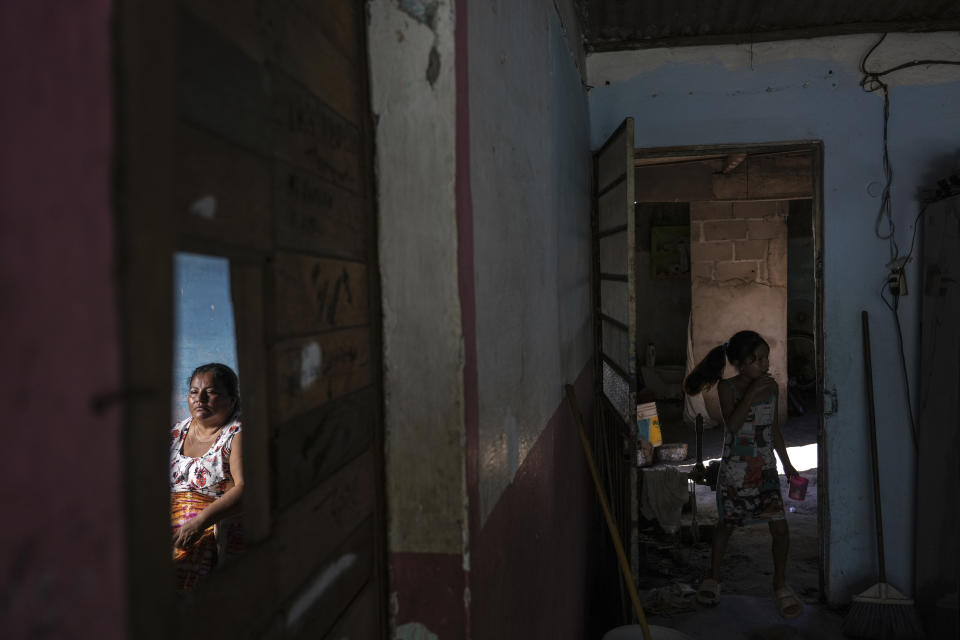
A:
(413, 101)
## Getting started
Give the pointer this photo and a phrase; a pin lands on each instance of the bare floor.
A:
(754, 618)
(675, 564)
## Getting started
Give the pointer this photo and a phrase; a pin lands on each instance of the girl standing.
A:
(748, 485)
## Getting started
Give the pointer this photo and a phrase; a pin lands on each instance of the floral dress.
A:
(210, 473)
(194, 484)
(748, 485)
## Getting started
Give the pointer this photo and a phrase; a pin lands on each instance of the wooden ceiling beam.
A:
(762, 177)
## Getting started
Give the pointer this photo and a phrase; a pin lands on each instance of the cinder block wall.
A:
(738, 252)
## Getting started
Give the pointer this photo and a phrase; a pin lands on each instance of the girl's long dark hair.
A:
(739, 350)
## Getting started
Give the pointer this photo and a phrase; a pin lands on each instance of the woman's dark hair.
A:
(222, 375)
(739, 350)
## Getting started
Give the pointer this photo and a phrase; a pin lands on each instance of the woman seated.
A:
(206, 475)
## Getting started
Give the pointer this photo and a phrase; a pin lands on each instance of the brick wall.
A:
(738, 253)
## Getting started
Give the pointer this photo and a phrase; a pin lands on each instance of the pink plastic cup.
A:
(798, 487)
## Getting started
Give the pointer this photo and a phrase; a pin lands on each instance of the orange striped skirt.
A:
(196, 561)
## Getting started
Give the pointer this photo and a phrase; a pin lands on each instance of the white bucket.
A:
(635, 632)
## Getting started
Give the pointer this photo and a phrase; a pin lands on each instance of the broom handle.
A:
(617, 544)
(868, 366)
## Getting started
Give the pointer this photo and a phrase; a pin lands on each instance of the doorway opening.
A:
(729, 238)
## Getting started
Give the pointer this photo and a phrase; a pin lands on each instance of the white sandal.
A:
(709, 592)
(789, 605)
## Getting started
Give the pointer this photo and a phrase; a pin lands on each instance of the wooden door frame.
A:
(145, 109)
(693, 153)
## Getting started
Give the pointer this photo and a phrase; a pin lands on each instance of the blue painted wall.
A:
(530, 173)
(530, 181)
(810, 91)
(203, 322)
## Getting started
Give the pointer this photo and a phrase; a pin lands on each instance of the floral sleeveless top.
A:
(210, 473)
(748, 484)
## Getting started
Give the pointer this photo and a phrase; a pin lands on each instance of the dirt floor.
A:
(677, 562)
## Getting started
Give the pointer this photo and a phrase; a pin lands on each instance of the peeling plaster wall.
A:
(530, 178)
(802, 90)
(412, 93)
(62, 544)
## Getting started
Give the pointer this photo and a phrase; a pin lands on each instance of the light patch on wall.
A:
(414, 631)
(311, 361)
(513, 446)
(205, 207)
(315, 590)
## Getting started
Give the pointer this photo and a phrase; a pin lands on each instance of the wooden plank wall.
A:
(274, 170)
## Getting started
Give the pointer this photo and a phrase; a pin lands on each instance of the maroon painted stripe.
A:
(429, 588)
(536, 552)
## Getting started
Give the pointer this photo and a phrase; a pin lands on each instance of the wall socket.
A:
(897, 282)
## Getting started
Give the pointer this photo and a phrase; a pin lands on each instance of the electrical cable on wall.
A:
(871, 82)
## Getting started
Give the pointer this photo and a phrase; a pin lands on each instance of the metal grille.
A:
(611, 441)
(617, 391)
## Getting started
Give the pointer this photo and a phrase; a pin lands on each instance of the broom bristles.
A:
(882, 613)
(883, 592)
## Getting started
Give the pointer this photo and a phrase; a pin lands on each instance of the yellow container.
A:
(648, 423)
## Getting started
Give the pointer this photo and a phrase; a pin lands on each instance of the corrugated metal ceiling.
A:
(626, 24)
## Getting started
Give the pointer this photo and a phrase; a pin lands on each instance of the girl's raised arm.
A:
(735, 413)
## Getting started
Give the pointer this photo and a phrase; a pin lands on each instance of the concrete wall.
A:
(530, 180)
(413, 94)
(532, 509)
(414, 108)
(62, 545)
(801, 293)
(801, 90)
(663, 323)
(738, 255)
(483, 168)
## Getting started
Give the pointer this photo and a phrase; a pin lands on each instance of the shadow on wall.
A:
(937, 169)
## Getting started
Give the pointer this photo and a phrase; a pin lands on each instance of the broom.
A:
(881, 611)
